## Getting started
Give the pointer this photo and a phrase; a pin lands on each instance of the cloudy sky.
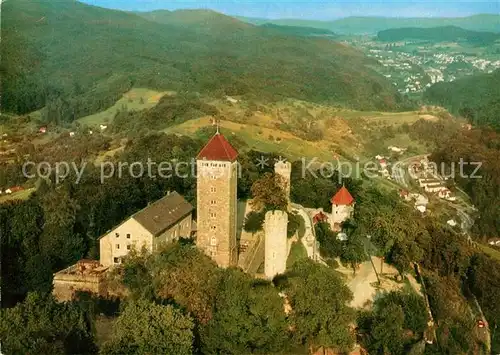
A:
(315, 9)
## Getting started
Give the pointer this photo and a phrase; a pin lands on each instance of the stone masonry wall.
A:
(216, 210)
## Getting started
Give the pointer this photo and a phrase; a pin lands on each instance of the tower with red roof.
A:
(342, 207)
(217, 175)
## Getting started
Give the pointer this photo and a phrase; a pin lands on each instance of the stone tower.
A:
(276, 243)
(284, 169)
(342, 208)
(217, 201)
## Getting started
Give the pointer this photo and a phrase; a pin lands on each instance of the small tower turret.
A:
(342, 208)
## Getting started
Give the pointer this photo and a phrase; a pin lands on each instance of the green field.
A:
(134, 100)
(490, 251)
(259, 138)
(21, 195)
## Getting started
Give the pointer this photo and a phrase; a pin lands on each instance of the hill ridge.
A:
(374, 24)
(77, 59)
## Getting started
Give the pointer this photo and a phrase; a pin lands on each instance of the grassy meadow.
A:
(134, 100)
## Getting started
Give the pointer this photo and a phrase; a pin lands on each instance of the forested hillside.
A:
(476, 98)
(438, 34)
(374, 24)
(78, 59)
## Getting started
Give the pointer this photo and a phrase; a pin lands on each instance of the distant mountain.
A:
(297, 30)
(214, 21)
(77, 59)
(475, 97)
(196, 19)
(438, 34)
(372, 25)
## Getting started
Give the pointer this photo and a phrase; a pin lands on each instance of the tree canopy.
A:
(148, 328)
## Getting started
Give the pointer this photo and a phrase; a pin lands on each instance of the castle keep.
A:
(216, 190)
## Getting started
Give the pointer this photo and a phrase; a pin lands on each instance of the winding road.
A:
(401, 175)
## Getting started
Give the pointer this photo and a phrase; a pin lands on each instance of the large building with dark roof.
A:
(163, 221)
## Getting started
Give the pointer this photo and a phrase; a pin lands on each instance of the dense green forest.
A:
(75, 59)
(476, 98)
(481, 147)
(438, 34)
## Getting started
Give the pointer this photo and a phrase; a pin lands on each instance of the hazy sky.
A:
(315, 9)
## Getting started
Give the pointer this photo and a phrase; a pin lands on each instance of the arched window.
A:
(213, 241)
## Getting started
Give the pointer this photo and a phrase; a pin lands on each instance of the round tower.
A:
(275, 246)
(284, 169)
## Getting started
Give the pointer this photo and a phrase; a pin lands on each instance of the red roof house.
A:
(16, 188)
(342, 197)
(218, 148)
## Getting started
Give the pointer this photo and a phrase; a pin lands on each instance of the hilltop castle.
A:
(170, 218)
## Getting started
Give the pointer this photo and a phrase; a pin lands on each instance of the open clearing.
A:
(364, 284)
(21, 195)
(495, 254)
(134, 100)
(260, 138)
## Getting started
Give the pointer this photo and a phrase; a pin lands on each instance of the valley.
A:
(414, 65)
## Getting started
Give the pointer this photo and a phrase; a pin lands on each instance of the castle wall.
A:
(276, 243)
(216, 210)
(79, 277)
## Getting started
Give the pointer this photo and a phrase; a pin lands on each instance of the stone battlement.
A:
(275, 218)
(85, 275)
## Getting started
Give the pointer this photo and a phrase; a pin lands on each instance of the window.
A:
(128, 235)
(213, 189)
(117, 246)
(213, 228)
(117, 235)
(214, 177)
(128, 246)
(213, 241)
(116, 260)
(213, 202)
(213, 214)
